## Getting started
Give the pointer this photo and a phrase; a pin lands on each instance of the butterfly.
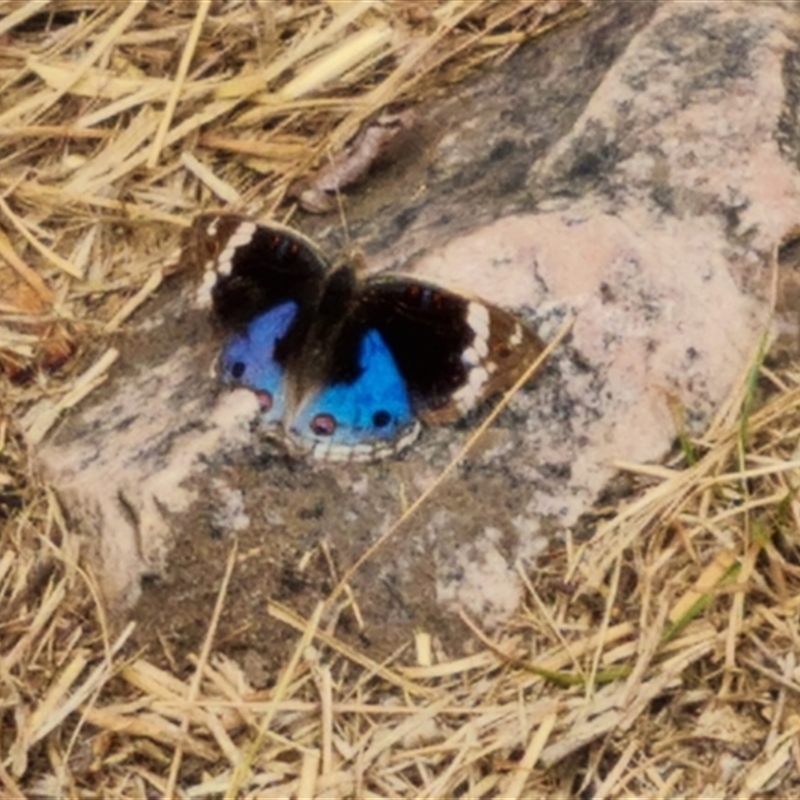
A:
(345, 367)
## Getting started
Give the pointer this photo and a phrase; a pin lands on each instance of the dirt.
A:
(307, 526)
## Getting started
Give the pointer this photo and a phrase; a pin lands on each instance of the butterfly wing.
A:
(454, 352)
(406, 349)
(363, 414)
(345, 401)
(263, 282)
(252, 358)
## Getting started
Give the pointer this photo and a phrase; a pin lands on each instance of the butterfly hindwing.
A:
(249, 359)
(362, 414)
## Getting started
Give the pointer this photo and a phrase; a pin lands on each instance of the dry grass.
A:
(658, 661)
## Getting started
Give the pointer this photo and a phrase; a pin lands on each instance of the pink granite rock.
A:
(637, 172)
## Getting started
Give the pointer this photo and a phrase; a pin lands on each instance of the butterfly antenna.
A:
(339, 202)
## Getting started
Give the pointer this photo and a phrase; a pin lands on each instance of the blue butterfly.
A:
(345, 367)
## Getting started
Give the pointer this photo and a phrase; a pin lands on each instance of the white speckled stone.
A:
(655, 217)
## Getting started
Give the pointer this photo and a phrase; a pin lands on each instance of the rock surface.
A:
(636, 171)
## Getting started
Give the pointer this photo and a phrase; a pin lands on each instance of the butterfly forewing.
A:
(260, 267)
(453, 352)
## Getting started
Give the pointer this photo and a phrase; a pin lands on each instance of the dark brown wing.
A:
(453, 352)
(256, 267)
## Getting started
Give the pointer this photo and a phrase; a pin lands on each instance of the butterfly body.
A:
(345, 368)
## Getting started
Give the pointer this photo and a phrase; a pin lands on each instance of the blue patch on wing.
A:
(248, 359)
(375, 408)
